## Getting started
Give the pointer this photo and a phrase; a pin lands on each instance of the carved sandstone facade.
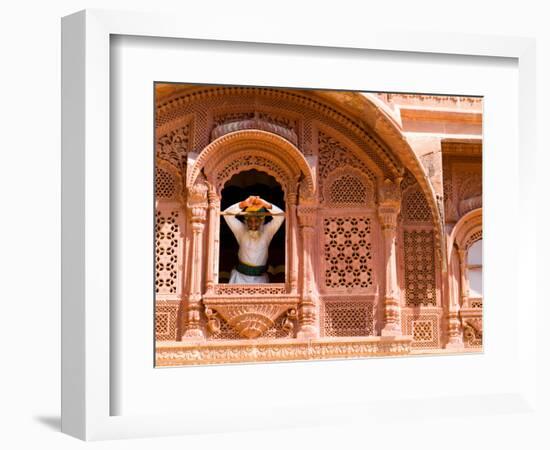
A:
(382, 232)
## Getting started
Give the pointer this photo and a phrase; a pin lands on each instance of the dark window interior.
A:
(238, 188)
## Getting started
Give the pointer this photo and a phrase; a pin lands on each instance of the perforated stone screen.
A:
(415, 207)
(167, 243)
(165, 184)
(348, 318)
(347, 252)
(419, 268)
(166, 321)
(348, 190)
(423, 327)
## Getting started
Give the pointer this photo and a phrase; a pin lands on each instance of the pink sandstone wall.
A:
(377, 239)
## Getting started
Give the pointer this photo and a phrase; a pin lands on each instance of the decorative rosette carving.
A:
(249, 313)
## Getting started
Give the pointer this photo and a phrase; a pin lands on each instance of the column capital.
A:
(198, 192)
(198, 215)
(213, 199)
(306, 195)
(306, 215)
(388, 218)
(212, 195)
(291, 198)
(197, 202)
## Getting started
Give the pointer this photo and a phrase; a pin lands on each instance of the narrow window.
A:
(475, 270)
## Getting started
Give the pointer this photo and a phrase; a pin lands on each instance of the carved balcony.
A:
(250, 309)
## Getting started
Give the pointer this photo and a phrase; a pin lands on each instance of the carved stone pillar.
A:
(463, 282)
(389, 206)
(213, 238)
(309, 304)
(292, 224)
(454, 332)
(197, 206)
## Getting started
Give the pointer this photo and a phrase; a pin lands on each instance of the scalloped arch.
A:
(281, 159)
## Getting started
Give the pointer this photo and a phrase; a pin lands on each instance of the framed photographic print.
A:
(277, 230)
(287, 229)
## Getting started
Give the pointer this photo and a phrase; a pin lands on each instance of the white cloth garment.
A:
(253, 245)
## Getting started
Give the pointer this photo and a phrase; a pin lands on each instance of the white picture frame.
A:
(88, 387)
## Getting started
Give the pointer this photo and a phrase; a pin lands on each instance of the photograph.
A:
(296, 224)
(300, 224)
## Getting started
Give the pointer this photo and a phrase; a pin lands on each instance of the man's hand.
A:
(257, 201)
(248, 202)
(254, 200)
(263, 203)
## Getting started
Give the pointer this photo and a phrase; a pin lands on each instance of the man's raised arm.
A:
(237, 227)
(276, 220)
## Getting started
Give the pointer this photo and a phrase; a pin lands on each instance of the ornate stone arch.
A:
(465, 328)
(253, 149)
(376, 116)
(466, 231)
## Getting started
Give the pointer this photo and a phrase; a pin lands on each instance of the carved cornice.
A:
(181, 354)
(461, 147)
(434, 98)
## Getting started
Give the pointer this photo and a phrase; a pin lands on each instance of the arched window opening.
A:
(238, 188)
(474, 270)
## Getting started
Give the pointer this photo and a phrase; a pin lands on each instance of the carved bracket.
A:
(251, 315)
(389, 193)
(251, 320)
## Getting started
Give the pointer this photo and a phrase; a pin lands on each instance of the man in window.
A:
(253, 237)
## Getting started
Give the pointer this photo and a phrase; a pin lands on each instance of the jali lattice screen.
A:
(347, 252)
(348, 190)
(420, 286)
(167, 252)
(165, 184)
(348, 318)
